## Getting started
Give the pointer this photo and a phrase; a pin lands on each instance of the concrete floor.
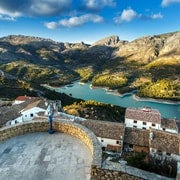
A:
(41, 156)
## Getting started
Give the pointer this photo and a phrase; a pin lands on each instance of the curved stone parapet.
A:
(71, 128)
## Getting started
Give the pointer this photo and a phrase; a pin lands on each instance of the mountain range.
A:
(111, 62)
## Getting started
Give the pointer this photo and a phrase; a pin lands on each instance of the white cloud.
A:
(49, 7)
(75, 21)
(168, 2)
(126, 16)
(14, 9)
(99, 4)
(78, 21)
(6, 18)
(157, 16)
(51, 25)
(9, 14)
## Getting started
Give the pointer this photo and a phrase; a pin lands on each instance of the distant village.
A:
(143, 130)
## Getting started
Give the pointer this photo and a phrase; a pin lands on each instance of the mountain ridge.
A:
(109, 62)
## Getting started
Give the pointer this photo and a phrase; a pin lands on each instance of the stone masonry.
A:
(74, 129)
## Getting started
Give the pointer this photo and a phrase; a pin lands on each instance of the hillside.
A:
(109, 62)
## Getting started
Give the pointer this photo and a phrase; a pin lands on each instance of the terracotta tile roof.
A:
(143, 114)
(27, 99)
(169, 124)
(105, 129)
(137, 137)
(39, 103)
(164, 141)
(22, 98)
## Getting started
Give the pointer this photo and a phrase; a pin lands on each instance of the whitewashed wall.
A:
(31, 113)
(140, 125)
(105, 141)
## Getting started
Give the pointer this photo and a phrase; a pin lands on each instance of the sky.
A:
(88, 20)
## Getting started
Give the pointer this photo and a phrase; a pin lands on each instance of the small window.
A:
(117, 142)
(134, 126)
(144, 123)
(144, 128)
(135, 121)
(16, 121)
(31, 115)
(25, 115)
(130, 146)
(102, 140)
(153, 124)
(164, 129)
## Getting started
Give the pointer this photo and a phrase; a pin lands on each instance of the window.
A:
(117, 142)
(103, 148)
(102, 140)
(153, 124)
(144, 128)
(25, 115)
(164, 129)
(144, 123)
(135, 121)
(134, 126)
(31, 115)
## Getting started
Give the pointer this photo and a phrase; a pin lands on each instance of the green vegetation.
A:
(96, 110)
(53, 95)
(113, 81)
(36, 74)
(164, 89)
(11, 88)
(137, 160)
(143, 161)
(86, 73)
(164, 68)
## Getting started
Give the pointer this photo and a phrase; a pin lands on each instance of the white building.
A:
(144, 118)
(30, 111)
(147, 118)
(109, 134)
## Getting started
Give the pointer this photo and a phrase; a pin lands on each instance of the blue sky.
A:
(88, 20)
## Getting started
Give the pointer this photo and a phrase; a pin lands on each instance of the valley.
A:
(148, 64)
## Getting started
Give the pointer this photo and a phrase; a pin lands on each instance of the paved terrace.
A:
(41, 156)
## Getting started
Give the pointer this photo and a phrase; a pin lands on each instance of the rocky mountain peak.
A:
(108, 41)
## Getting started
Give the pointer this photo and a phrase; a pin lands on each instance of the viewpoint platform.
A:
(44, 156)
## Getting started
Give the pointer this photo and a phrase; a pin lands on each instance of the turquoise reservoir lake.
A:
(167, 110)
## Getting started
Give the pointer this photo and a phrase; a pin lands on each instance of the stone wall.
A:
(74, 129)
(77, 130)
(107, 174)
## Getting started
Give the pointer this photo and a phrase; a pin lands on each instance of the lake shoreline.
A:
(137, 98)
(116, 93)
(168, 109)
